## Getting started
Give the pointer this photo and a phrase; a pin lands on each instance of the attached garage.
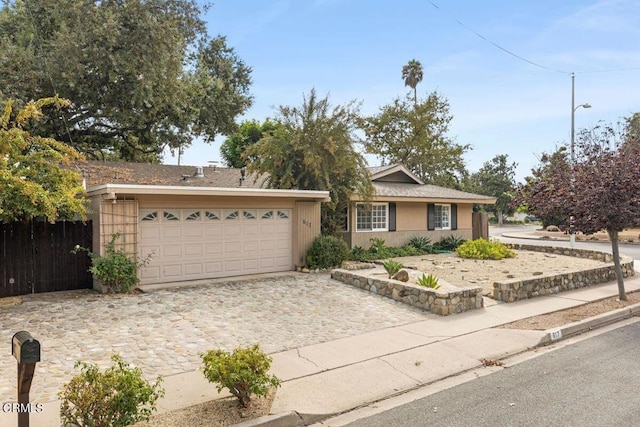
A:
(216, 224)
(188, 244)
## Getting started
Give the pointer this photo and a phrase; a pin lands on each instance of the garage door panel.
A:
(193, 231)
(232, 248)
(232, 266)
(171, 232)
(213, 267)
(150, 233)
(193, 250)
(212, 230)
(232, 230)
(213, 248)
(171, 251)
(150, 273)
(193, 269)
(172, 271)
(283, 244)
(252, 246)
(209, 243)
(250, 265)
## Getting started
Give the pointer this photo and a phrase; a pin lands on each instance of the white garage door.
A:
(189, 244)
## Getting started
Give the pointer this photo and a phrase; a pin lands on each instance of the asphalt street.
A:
(590, 383)
(632, 250)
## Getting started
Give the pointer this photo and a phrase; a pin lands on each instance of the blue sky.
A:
(355, 49)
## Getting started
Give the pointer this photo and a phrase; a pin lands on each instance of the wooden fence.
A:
(36, 257)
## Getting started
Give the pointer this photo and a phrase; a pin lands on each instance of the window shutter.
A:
(392, 216)
(431, 216)
(454, 216)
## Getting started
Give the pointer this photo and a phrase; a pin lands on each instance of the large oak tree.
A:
(141, 75)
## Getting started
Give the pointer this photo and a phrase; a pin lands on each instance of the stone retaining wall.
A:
(516, 289)
(436, 301)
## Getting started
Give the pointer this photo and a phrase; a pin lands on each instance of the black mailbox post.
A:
(26, 350)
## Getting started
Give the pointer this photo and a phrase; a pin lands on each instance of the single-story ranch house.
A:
(211, 222)
(403, 206)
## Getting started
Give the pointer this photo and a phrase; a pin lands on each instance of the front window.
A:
(372, 218)
(443, 217)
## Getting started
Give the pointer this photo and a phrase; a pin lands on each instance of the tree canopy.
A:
(313, 149)
(248, 133)
(543, 192)
(496, 178)
(141, 75)
(32, 180)
(416, 136)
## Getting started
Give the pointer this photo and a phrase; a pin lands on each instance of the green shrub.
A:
(484, 249)
(429, 281)
(392, 266)
(360, 254)
(244, 372)
(116, 270)
(422, 243)
(449, 243)
(117, 397)
(377, 245)
(326, 252)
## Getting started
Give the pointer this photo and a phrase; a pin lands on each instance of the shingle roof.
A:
(98, 173)
(426, 191)
(377, 169)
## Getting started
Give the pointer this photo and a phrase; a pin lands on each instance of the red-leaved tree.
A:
(606, 185)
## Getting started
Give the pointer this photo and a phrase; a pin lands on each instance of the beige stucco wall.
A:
(306, 227)
(411, 220)
(411, 216)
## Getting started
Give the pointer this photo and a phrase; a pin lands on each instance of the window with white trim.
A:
(372, 218)
(442, 217)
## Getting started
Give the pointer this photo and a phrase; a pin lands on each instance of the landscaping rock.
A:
(402, 275)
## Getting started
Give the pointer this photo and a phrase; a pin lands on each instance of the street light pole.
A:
(572, 232)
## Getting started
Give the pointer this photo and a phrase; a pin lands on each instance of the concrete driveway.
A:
(163, 331)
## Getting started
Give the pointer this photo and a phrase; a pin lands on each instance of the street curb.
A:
(295, 419)
(570, 329)
(284, 419)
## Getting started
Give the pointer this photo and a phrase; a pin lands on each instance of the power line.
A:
(521, 58)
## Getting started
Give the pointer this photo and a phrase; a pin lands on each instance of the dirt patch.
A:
(469, 272)
(220, 412)
(10, 301)
(563, 317)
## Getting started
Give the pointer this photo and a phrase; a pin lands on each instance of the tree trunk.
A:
(500, 219)
(613, 236)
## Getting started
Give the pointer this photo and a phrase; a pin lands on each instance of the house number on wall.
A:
(306, 222)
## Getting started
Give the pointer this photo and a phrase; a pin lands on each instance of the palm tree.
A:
(412, 75)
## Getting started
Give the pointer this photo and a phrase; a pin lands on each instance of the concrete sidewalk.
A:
(336, 376)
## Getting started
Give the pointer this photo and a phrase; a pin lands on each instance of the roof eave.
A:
(130, 189)
(381, 198)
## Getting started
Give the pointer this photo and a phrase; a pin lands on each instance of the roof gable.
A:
(394, 173)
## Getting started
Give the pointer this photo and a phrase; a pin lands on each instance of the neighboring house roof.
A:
(397, 182)
(99, 173)
(394, 173)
